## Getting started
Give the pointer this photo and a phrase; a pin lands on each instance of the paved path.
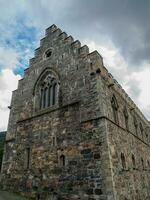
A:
(10, 196)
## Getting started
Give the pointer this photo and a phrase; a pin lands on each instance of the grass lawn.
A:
(10, 196)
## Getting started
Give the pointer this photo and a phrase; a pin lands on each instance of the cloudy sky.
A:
(118, 29)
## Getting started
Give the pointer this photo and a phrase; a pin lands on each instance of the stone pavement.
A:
(10, 196)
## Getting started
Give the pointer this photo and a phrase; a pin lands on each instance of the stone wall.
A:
(131, 181)
(131, 176)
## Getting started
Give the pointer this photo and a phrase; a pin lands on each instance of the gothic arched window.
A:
(126, 116)
(49, 92)
(46, 90)
(114, 105)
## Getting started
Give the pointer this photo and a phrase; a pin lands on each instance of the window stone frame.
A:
(40, 86)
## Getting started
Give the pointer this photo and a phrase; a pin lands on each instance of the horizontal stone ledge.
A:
(48, 110)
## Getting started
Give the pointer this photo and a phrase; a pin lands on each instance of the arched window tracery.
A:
(46, 90)
(49, 92)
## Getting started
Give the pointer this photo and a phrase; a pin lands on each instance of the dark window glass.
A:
(48, 53)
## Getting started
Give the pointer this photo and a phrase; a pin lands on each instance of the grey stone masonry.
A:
(73, 132)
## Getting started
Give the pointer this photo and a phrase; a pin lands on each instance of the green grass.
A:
(10, 196)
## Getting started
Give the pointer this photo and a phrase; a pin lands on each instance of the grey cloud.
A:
(125, 22)
(146, 111)
(136, 91)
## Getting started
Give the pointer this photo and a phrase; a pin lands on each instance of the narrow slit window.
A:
(54, 141)
(142, 162)
(133, 162)
(28, 152)
(123, 161)
(62, 161)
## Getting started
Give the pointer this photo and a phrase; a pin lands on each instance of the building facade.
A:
(73, 132)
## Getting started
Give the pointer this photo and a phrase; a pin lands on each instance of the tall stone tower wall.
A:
(70, 130)
(128, 138)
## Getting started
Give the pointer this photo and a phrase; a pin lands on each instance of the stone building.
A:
(73, 132)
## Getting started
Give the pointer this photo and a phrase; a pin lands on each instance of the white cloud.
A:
(8, 58)
(142, 83)
(8, 83)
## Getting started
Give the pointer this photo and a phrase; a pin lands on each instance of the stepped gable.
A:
(53, 33)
